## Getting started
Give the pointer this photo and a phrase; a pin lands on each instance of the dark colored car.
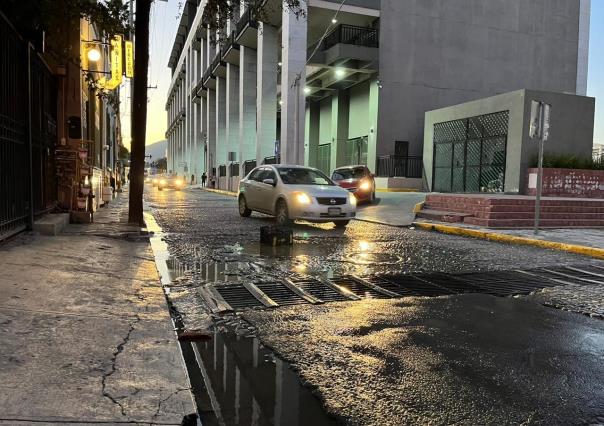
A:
(356, 179)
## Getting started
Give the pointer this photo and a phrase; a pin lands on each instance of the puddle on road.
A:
(247, 385)
(209, 272)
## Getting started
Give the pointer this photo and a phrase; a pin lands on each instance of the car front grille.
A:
(327, 201)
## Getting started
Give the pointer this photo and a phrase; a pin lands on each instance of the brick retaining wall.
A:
(568, 183)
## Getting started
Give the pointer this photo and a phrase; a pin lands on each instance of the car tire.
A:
(243, 210)
(282, 213)
(372, 197)
(341, 223)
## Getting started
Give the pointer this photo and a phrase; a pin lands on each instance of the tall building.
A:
(349, 84)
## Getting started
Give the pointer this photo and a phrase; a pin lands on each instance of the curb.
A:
(220, 191)
(396, 190)
(504, 238)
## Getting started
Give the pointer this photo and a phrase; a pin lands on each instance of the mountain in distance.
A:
(156, 150)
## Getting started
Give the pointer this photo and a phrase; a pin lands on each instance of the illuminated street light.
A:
(94, 55)
(306, 90)
(334, 21)
(340, 73)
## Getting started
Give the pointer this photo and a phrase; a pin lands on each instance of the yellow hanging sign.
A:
(129, 59)
(116, 64)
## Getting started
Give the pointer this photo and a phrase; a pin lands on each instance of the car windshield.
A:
(342, 174)
(300, 176)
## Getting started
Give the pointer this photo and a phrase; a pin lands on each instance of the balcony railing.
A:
(216, 61)
(234, 169)
(207, 75)
(222, 170)
(350, 34)
(246, 18)
(399, 166)
(228, 43)
(248, 166)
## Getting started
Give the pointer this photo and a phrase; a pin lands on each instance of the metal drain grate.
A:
(505, 283)
(280, 294)
(319, 290)
(575, 274)
(358, 288)
(409, 285)
(453, 283)
(237, 296)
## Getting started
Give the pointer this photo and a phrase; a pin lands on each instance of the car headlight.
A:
(154, 180)
(302, 198)
(365, 185)
(178, 182)
(352, 199)
(163, 182)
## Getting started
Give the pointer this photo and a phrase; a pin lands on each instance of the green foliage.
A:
(566, 161)
(124, 154)
(161, 164)
(31, 17)
(218, 12)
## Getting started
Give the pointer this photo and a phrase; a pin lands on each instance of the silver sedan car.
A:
(295, 192)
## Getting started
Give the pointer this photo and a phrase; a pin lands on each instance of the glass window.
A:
(255, 174)
(303, 176)
(350, 173)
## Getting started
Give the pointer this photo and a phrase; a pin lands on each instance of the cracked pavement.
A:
(85, 332)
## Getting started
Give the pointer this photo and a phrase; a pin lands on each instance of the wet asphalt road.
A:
(204, 227)
(468, 359)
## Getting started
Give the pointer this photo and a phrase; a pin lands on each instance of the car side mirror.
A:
(269, 182)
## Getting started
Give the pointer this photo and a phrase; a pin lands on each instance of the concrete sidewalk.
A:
(85, 333)
(391, 208)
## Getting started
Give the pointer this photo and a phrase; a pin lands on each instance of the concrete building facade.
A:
(349, 84)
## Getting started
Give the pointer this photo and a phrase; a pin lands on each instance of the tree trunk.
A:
(139, 112)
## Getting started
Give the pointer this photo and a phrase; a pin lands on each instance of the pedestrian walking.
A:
(192, 179)
(203, 179)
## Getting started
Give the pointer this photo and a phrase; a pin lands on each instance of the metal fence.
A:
(28, 132)
(350, 34)
(399, 166)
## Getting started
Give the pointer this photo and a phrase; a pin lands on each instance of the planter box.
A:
(568, 183)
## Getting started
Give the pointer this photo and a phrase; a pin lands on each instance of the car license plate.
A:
(334, 211)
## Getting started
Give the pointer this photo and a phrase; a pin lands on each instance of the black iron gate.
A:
(469, 154)
(28, 132)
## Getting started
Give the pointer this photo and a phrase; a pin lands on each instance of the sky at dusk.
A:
(165, 18)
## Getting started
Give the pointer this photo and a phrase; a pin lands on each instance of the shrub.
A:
(566, 161)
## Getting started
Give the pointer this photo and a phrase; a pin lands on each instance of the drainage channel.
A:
(236, 296)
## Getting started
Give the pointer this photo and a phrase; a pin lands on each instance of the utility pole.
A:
(139, 111)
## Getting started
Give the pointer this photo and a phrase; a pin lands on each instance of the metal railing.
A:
(248, 166)
(222, 170)
(271, 160)
(207, 74)
(234, 169)
(228, 43)
(246, 19)
(216, 61)
(350, 34)
(28, 175)
(399, 166)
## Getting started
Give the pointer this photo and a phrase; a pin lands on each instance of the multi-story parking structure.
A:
(349, 82)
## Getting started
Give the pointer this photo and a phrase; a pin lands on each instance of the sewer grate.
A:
(280, 293)
(319, 290)
(358, 288)
(412, 285)
(237, 296)
(505, 283)
(453, 283)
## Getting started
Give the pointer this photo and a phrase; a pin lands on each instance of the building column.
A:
(232, 115)
(211, 130)
(221, 142)
(311, 134)
(266, 98)
(247, 106)
(293, 81)
(339, 128)
(374, 92)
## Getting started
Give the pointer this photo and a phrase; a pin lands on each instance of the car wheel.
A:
(341, 223)
(282, 213)
(372, 197)
(243, 210)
